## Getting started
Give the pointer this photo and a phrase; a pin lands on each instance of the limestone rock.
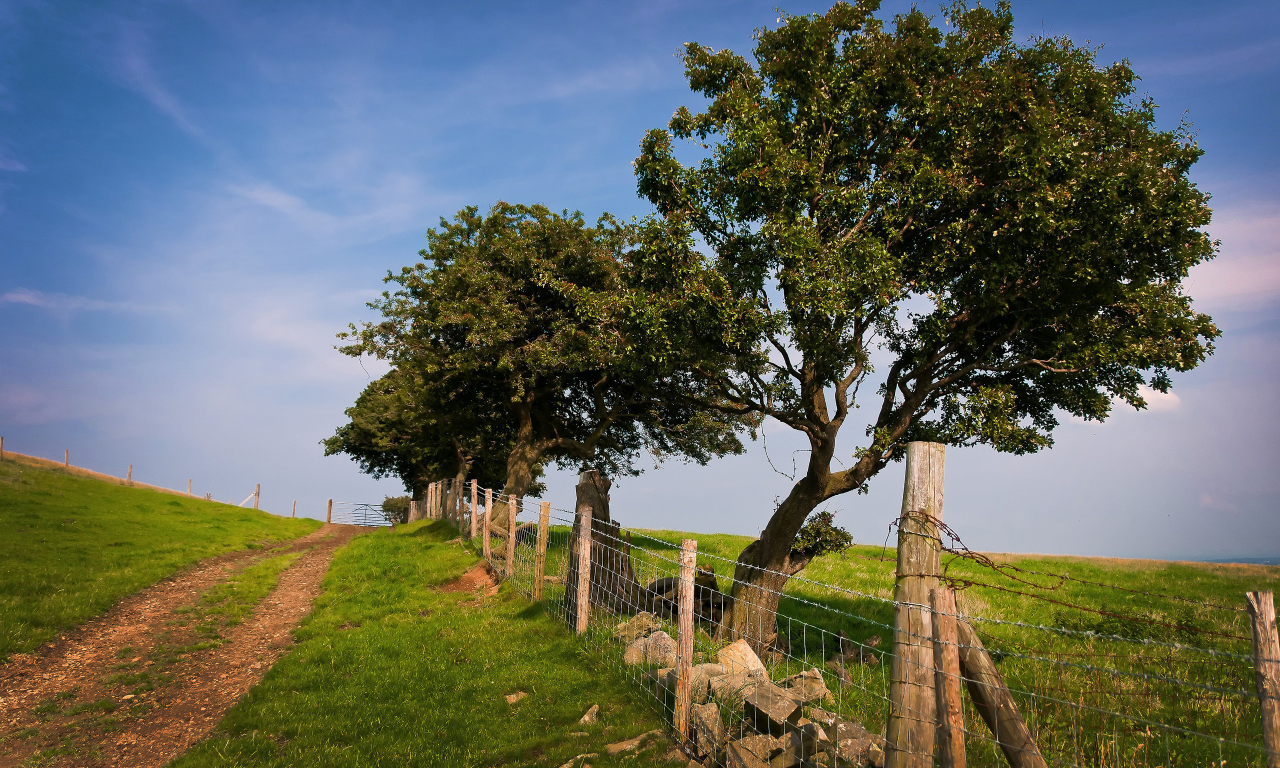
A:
(700, 681)
(770, 709)
(512, 698)
(708, 730)
(752, 752)
(823, 717)
(733, 687)
(806, 740)
(738, 657)
(808, 687)
(657, 648)
(632, 744)
(591, 716)
(857, 746)
(838, 669)
(642, 624)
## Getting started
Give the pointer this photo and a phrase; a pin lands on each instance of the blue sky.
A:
(196, 196)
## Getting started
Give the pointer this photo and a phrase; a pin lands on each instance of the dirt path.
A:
(40, 693)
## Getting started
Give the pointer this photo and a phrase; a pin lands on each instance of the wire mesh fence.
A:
(786, 670)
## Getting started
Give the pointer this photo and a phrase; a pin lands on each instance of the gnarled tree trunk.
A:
(613, 583)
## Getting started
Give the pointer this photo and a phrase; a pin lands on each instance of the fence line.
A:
(815, 682)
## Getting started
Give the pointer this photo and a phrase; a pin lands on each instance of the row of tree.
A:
(968, 234)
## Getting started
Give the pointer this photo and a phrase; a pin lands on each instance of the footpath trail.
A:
(71, 700)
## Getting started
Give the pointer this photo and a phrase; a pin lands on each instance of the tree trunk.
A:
(765, 565)
(524, 456)
(613, 582)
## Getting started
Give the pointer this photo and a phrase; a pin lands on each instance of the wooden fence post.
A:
(328, 516)
(994, 703)
(513, 509)
(130, 477)
(912, 701)
(1, 447)
(475, 490)
(66, 458)
(295, 506)
(540, 559)
(684, 637)
(488, 518)
(584, 568)
(189, 490)
(1266, 661)
(947, 682)
(257, 492)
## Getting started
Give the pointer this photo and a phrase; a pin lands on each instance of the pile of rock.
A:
(774, 724)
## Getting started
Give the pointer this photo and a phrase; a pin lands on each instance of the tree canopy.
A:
(1002, 226)
(522, 314)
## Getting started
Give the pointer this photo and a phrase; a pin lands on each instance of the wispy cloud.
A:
(63, 304)
(132, 65)
(9, 164)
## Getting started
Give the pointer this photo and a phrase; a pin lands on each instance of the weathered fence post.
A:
(540, 559)
(513, 509)
(257, 491)
(584, 567)
(475, 490)
(947, 682)
(684, 639)
(1266, 660)
(1, 447)
(295, 505)
(912, 701)
(66, 458)
(488, 518)
(994, 703)
(328, 516)
(130, 477)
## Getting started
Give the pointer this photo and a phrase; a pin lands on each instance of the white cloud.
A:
(132, 64)
(1159, 401)
(9, 164)
(61, 303)
(1247, 273)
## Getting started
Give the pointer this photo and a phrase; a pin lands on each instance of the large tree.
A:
(523, 313)
(401, 426)
(1002, 226)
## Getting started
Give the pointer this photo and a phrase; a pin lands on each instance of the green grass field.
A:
(70, 547)
(389, 671)
(1166, 603)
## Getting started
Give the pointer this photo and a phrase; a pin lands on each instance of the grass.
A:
(1201, 606)
(72, 546)
(391, 671)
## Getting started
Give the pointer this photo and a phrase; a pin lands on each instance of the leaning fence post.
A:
(475, 490)
(488, 518)
(328, 516)
(540, 559)
(946, 659)
(684, 639)
(1266, 660)
(584, 567)
(257, 491)
(513, 509)
(912, 701)
(295, 506)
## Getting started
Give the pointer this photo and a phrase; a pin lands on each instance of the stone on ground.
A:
(770, 709)
(657, 648)
(642, 624)
(808, 687)
(737, 657)
(740, 686)
(512, 698)
(752, 751)
(708, 731)
(631, 744)
(591, 716)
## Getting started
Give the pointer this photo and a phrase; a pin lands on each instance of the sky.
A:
(195, 197)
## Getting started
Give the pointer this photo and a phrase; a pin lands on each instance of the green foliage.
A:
(517, 322)
(398, 507)
(819, 536)
(1003, 223)
(391, 672)
(72, 546)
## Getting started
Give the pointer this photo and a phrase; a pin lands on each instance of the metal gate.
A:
(359, 513)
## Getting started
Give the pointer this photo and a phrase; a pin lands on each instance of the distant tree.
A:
(522, 314)
(1001, 227)
(402, 427)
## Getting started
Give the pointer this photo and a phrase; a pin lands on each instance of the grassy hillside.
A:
(390, 671)
(70, 546)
